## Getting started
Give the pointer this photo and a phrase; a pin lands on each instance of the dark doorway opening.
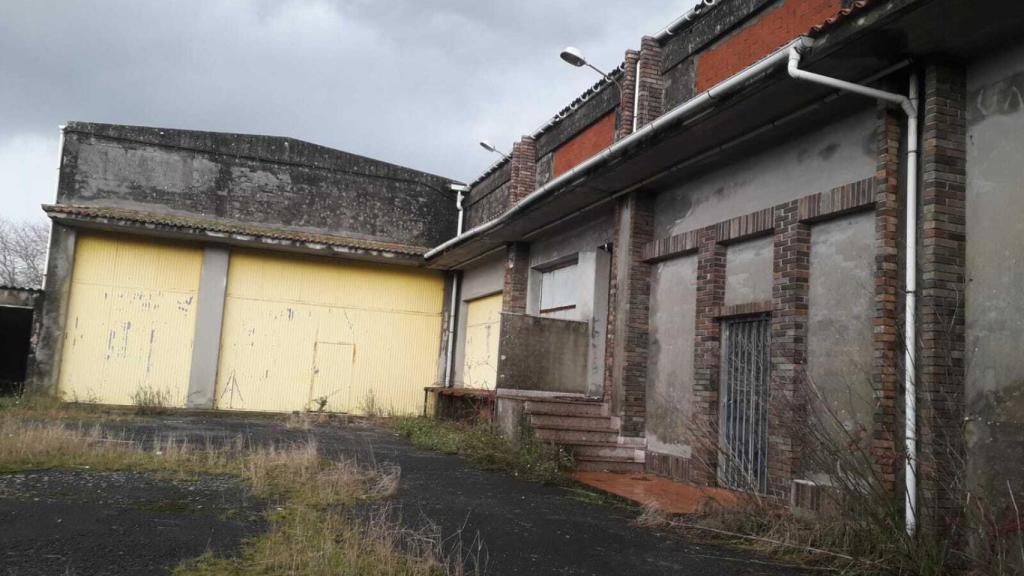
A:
(15, 344)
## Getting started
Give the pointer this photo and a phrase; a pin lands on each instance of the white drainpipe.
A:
(636, 94)
(449, 368)
(909, 106)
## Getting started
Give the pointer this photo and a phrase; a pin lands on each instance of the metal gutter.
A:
(685, 20)
(685, 111)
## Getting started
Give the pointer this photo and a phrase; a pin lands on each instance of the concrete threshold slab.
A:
(664, 494)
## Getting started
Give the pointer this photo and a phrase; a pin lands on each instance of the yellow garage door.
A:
(131, 319)
(303, 333)
(483, 324)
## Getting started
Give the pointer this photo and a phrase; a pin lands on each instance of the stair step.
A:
(609, 466)
(561, 436)
(566, 408)
(606, 452)
(557, 421)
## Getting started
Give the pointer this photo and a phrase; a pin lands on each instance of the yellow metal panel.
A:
(483, 330)
(131, 319)
(280, 311)
(332, 375)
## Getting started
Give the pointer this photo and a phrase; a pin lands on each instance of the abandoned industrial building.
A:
(756, 209)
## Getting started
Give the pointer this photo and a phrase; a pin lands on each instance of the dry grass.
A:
(327, 516)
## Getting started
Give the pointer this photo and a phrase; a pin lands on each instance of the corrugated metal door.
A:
(483, 331)
(332, 375)
(131, 319)
(288, 317)
(746, 368)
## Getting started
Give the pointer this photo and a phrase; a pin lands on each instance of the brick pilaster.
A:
(627, 95)
(941, 285)
(634, 229)
(786, 406)
(651, 103)
(517, 275)
(707, 355)
(523, 169)
(887, 375)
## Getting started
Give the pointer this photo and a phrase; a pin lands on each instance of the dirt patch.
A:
(78, 522)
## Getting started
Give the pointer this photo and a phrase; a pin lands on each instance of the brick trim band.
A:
(839, 201)
(745, 309)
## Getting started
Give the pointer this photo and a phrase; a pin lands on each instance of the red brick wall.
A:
(592, 140)
(759, 37)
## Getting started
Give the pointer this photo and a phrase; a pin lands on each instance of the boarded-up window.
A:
(558, 291)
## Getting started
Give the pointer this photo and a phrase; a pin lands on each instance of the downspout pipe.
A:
(686, 111)
(636, 94)
(449, 365)
(909, 105)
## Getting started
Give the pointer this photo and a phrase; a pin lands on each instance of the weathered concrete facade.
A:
(204, 202)
(994, 378)
(785, 202)
(277, 182)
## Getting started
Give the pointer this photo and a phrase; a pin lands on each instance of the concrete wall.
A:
(670, 371)
(840, 326)
(254, 179)
(543, 354)
(593, 268)
(836, 154)
(748, 271)
(483, 279)
(995, 270)
(488, 197)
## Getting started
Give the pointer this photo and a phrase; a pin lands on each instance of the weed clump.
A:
(480, 444)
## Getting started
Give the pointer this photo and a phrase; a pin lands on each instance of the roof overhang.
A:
(867, 40)
(215, 231)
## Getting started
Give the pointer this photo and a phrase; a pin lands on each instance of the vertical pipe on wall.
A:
(909, 105)
(910, 344)
(636, 93)
(449, 369)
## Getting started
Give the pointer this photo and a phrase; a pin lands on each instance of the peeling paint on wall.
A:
(117, 287)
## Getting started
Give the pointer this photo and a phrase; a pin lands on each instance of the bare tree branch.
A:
(23, 247)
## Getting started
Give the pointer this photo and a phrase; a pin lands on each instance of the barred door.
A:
(743, 462)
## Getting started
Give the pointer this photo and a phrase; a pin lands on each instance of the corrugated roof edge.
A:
(228, 227)
(562, 114)
(22, 289)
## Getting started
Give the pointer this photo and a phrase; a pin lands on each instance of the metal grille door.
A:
(744, 423)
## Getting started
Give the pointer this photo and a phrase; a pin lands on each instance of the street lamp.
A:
(490, 148)
(572, 55)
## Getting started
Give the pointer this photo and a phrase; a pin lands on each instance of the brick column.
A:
(707, 355)
(634, 229)
(627, 95)
(940, 313)
(887, 374)
(651, 103)
(523, 169)
(786, 405)
(517, 275)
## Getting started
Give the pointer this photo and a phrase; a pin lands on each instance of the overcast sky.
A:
(414, 82)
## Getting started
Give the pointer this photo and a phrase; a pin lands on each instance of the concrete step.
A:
(566, 407)
(571, 437)
(609, 466)
(608, 452)
(557, 421)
